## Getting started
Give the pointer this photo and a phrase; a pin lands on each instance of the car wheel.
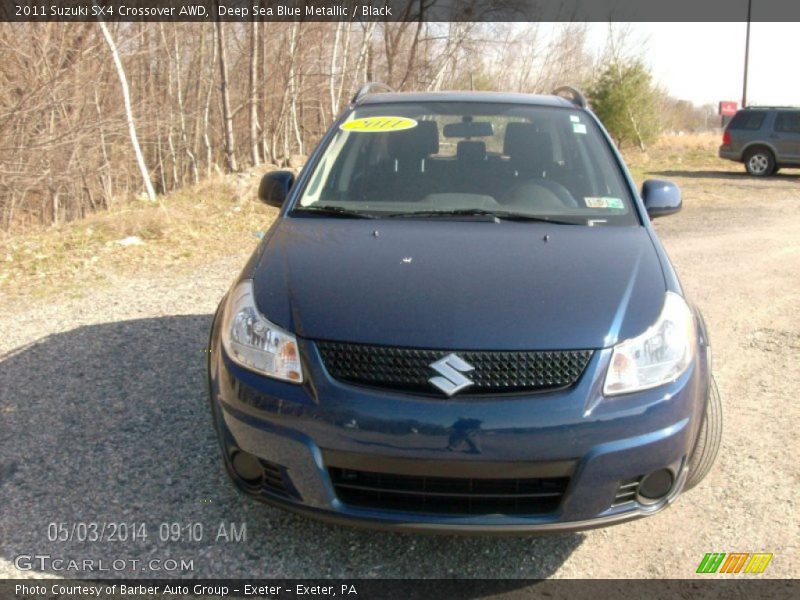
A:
(759, 162)
(709, 439)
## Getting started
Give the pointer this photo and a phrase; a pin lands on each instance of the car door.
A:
(786, 136)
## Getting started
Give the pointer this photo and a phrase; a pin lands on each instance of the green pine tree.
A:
(626, 101)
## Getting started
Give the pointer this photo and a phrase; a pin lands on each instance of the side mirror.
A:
(661, 198)
(275, 187)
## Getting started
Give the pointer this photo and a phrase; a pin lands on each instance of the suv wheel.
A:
(759, 162)
(709, 439)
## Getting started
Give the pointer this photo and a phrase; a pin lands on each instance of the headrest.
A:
(471, 151)
(417, 142)
(524, 142)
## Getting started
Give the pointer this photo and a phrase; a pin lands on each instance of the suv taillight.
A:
(726, 138)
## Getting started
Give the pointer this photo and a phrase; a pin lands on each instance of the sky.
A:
(704, 62)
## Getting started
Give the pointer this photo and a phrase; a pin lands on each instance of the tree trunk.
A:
(345, 55)
(332, 78)
(126, 98)
(412, 54)
(363, 53)
(198, 97)
(227, 116)
(255, 159)
(181, 110)
(207, 109)
(293, 92)
(105, 169)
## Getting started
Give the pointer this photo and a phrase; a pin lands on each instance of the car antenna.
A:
(572, 94)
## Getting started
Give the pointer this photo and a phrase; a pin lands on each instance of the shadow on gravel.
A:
(110, 424)
(742, 177)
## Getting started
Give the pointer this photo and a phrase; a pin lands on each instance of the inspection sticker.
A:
(575, 118)
(604, 202)
(579, 128)
(378, 124)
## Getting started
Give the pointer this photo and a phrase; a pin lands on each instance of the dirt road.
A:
(104, 419)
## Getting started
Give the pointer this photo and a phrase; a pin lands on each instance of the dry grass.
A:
(215, 218)
(697, 151)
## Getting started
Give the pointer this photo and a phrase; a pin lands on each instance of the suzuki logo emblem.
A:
(451, 368)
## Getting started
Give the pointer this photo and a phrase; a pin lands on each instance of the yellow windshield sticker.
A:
(379, 124)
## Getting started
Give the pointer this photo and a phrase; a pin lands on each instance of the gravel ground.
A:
(104, 419)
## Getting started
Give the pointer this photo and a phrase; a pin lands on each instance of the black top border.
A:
(402, 10)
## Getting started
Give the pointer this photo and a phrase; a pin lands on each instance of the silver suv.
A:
(764, 139)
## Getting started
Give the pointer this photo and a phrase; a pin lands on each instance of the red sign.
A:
(727, 108)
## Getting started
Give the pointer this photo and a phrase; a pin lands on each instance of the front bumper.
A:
(305, 430)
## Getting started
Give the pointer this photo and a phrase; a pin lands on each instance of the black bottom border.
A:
(746, 586)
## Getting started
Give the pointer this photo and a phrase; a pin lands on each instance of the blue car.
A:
(462, 320)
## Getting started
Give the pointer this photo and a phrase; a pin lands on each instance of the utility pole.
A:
(746, 54)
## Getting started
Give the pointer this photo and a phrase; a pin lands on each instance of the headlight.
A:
(659, 355)
(254, 343)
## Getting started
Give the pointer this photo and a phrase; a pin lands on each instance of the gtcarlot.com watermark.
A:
(47, 562)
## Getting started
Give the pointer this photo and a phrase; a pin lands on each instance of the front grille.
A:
(408, 369)
(458, 496)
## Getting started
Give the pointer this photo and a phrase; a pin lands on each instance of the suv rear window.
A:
(788, 122)
(748, 119)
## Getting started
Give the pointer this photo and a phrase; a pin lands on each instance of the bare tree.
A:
(65, 138)
(255, 159)
(293, 87)
(182, 110)
(126, 98)
(207, 104)
(227, 115)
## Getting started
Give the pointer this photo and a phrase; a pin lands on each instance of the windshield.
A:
(426, 160)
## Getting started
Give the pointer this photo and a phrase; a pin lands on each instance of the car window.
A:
(397, 159)
(788, 122)
(748, 119)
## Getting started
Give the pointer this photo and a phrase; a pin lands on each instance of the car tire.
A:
(709, 439)
(759, 162)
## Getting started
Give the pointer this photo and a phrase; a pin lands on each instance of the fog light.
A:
(656, 485)
(247, 467)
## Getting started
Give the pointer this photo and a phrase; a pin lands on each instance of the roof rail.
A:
(756, 106)
(572, 94)
(367, 88)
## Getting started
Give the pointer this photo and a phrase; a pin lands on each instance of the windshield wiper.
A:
(446, 213)
(334, 211)
(504, 215)
(512, 216)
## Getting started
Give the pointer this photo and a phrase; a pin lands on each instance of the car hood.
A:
(453, 284)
